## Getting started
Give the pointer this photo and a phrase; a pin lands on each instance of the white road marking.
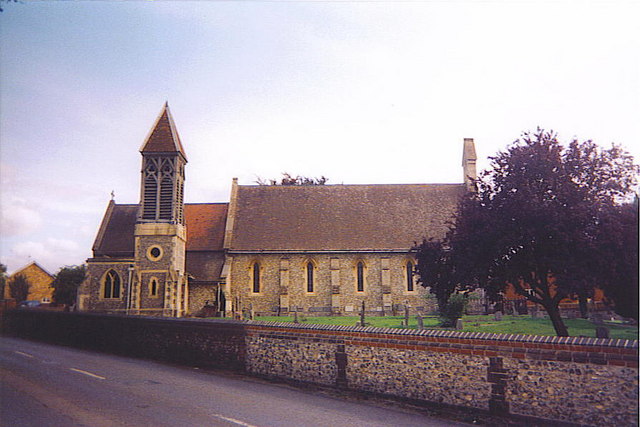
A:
(88, 373)
(234, 421)
(24, 354)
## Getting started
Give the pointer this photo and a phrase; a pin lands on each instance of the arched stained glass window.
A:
(256, 278)
(309, 276)
(111, 285)
(410, 276)
(360, 276)
(153, 287)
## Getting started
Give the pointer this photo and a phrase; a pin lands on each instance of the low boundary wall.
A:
(577, 380)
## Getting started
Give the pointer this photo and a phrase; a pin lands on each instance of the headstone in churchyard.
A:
(406, 315)
(498, 316)
(295, 317)
(597, 319)
(420, 322)
(602, 332)
(459, 324)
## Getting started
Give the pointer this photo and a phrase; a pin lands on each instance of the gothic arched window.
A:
(410, 273)
(360, 276)
(310, 268)
(111, 285)
(256, 278)
(153, 287)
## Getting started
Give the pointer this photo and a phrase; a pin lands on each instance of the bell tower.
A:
(160, 285)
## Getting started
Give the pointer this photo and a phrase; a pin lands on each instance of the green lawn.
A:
(523, 325)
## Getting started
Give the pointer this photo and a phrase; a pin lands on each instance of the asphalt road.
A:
(44, 385)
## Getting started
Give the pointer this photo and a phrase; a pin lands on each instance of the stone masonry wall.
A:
(421, 375)
(582, 381)
(576, 392)
(283, 284)
(199, 294)
(90, 292)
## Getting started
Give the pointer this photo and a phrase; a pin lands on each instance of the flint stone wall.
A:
(582, 381)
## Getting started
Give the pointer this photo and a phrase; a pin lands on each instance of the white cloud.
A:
(18, 218)
(51, 253)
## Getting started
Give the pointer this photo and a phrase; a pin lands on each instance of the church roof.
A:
(205, 266)
(341, 217)
(163, 137)
(115, 236)
(205, 225)
(205, 228)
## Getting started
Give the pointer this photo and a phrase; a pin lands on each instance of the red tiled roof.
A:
(205, 225)
(164, 137)
(341, 217)
(205, 229)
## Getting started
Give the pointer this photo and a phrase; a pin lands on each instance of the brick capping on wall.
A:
(577, 349)
(498, 373)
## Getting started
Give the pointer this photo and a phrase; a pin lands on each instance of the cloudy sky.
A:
(361, 92)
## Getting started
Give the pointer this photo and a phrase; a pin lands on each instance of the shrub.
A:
(453, 310)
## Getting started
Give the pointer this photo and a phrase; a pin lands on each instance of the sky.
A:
(362, 92)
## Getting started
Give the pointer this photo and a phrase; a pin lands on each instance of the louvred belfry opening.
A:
(163, 161)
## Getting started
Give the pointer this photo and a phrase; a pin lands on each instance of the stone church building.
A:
(273, 249)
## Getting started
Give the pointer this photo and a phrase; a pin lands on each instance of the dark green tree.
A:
(618, 262)
(288, 179)
(3, 279)
(19, 288)
(535, 219)
(66, 282)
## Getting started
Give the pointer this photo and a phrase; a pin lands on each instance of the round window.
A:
(154, 253)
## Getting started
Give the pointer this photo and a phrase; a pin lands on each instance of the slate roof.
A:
(163, 137)
(205, 234)
(205, 266)
(116, 234)
(341, 217)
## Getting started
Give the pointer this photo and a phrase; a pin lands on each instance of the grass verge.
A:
(523, 325)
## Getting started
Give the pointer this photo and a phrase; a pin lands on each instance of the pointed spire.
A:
(163, 137)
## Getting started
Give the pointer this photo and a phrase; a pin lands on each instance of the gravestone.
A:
(602, 332)
(498, 316)
(295, 317)
(420, 322)
(459, 324)
(597, 319)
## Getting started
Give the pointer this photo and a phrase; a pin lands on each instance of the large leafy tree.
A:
(536, 221)
(618, 263)
(66, 284)
(19, 287)
(3, 279)
(288, 179)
